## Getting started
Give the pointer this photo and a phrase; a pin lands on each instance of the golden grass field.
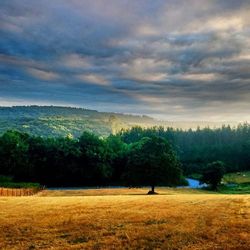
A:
(125, 219)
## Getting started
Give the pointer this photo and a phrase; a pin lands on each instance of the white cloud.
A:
(93, 78)
(145, 69)
(75, 61)
(199, 77)
(43, 75)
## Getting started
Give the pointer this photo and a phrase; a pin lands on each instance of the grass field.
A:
(125, 219)
(236, 183)
(238, 178)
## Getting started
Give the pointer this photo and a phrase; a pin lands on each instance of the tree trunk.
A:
(152, 191)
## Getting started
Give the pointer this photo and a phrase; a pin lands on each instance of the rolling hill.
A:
(69, 121)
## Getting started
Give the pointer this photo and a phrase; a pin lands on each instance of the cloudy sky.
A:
(171, 59)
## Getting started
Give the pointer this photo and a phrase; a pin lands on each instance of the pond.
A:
(192, 183)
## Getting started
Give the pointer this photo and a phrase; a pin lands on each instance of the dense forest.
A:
(52, 121)
(197, 148)
(92, 160)
(86, 161)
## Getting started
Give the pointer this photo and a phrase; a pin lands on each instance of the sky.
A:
(170, 59)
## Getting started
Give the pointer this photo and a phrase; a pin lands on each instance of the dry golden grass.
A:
(177, 219)
(119, 191)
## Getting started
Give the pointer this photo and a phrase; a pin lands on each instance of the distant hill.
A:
(68, 121)
(63, 121)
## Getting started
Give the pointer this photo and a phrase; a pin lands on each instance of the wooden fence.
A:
(18, 191)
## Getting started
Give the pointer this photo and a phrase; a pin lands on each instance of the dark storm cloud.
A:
(172, 59)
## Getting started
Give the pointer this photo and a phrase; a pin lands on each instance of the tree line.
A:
(138, 156)
(88, 160)
(197, 148)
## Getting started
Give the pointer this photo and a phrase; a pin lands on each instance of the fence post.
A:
(19, 191)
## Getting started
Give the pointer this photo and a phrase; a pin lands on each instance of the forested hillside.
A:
(65, 121)
(50, 121)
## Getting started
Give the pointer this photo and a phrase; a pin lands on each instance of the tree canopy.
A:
(213, 174)
(151, 162)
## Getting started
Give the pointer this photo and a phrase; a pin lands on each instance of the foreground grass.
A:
(125, 219)
(121, 191)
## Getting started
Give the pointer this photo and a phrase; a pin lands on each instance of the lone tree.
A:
(152, 162)
(213, 174)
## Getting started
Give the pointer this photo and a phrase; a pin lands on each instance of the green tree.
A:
(13, 155)
(152, 162)
(213, 174)
(93, 156)
(117, 157)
